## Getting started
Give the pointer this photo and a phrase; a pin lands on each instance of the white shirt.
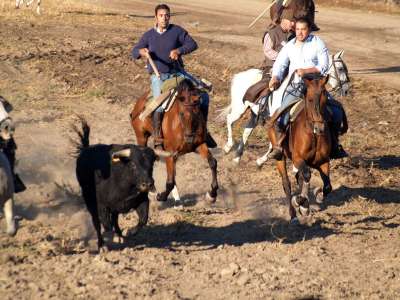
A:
(311, 53)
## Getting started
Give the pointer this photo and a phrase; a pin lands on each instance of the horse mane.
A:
(185, 84)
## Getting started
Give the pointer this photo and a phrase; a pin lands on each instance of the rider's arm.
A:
(188, 43)
(142, 44)
(268, 51)
(323, 57)
(281, 63)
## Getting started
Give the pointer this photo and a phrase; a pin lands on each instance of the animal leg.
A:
(327, 188)
(114, 221)
(263, 159)
(170, 163)
(281, 166)
(231, 118)
(246, 133)
(212, 162)
(9, 214)
(91, 204)
(143, 213)
(303, 177)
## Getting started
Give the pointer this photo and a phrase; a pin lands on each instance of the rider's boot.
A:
(157, 135)
(211, 143)
(277, 151)
(337, 150)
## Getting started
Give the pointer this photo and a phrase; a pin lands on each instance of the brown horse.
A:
(184, 130)
(307, 144)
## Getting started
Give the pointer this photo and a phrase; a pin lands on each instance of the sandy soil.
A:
(74, 59)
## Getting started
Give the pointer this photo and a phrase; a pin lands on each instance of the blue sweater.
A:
(160, 45)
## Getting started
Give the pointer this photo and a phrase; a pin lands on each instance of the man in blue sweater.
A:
(165, 44)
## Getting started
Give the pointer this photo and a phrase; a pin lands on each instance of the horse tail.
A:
(222, 113)
(83, 136)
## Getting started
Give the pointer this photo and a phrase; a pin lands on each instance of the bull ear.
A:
(116, 156)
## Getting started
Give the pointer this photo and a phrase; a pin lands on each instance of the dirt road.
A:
(74, 59)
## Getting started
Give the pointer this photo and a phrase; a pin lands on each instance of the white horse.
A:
(338, 80)
(18, 3)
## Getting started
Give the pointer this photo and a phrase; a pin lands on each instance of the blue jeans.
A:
(156, 84)
(293, 91)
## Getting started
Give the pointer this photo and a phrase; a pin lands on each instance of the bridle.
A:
(336, 76)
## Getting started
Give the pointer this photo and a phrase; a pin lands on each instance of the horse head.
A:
(339, 79)
(188, 97)
(316, 97)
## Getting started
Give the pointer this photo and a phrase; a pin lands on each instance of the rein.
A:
(336, 76)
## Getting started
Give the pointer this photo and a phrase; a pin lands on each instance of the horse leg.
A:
(246, 133)
(303, 177)
(327, 188)
(281, 166)
(170, 163)
(231, 118)
(263, 159)
(212, 162)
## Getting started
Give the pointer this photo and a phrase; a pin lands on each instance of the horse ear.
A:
(339, 54)
(325, 79)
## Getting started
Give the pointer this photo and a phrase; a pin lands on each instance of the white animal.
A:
(18, 3)
(338, 80)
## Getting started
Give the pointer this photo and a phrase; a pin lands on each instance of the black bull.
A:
(114, 179)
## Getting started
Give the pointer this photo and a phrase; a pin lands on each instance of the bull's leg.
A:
(9, 214)
(246, 133)
(115, 225)
(143, 213)
(212, 162)
(327, 188)
(281, 166)
(89, 195)
(170, 163)
(231, 118)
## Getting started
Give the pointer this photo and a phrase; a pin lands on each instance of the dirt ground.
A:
(74, 59)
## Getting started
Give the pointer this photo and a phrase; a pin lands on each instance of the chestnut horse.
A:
(307, 144)
(184, 130)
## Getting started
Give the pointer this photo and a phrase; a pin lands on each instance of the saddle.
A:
(166, 98)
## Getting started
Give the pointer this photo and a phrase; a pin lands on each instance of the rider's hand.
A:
(144, 52)
(273, 83)
(174, 54)
(301, 72)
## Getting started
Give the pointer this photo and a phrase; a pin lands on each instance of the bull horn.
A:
(122, 153)
(163, 153)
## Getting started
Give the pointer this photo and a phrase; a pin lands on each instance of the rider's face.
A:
(162, 18)
(302, 31)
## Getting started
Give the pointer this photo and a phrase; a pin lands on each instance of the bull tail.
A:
(83, 136)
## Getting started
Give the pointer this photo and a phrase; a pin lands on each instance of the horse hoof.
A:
(304, 211)
(227, 148)
(236, 160)
(209, 198)
(161, 198)
(152, 196)
(294, 202)
(259, 163)
(294, 222)
(319, 196)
